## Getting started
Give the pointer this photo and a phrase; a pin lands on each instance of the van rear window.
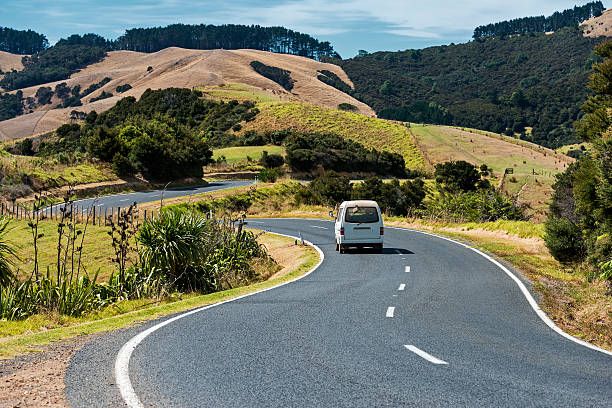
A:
(361, 214)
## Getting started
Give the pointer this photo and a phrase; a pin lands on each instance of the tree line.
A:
(579, 224)
(226, 36)
(565, 18)
(22, 41)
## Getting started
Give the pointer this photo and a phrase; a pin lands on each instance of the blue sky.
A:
(350, 25)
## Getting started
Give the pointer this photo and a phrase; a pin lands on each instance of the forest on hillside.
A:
(541, 24)
(501, 84)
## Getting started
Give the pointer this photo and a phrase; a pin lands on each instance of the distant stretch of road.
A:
(429, 322)
(125, 200)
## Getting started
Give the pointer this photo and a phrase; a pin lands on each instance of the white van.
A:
(359, 224)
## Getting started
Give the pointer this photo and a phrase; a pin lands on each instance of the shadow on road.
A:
(386, 251)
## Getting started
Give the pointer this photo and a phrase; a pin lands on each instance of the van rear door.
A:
(361, 223)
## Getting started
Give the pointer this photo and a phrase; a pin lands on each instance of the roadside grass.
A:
(371, 132)
(29, 335)
(240, 153)
(97, 250)
(50, 172)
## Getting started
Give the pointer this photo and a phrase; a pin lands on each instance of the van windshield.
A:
(361, 214)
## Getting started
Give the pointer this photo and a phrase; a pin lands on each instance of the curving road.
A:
(139, 197)
(427, 323)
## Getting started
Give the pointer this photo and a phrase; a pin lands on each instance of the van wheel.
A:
(341, 248)
(337, 246)
(379, 248)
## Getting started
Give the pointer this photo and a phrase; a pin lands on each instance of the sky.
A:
(349, 25)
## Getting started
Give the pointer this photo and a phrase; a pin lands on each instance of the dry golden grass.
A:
(9, 61)
(598, 26)
(183, 68)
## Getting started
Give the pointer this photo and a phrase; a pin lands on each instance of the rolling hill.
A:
(177, 67)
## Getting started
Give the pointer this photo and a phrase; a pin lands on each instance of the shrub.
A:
(457, 176)
(564, 240)
(270, 161)
(122, 166)
(394, 198)
(173, 244)
(123, 88)
(269, 175)
(190, 252)
(329, 189)
(473, 206)
(278, 75)
(347, 107)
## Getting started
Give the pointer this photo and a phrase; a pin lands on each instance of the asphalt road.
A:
(125, 200)
(427, 323)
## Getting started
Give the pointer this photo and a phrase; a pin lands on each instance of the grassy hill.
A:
(371, 132)
(533, 167)
(242, 153)
(222, 74)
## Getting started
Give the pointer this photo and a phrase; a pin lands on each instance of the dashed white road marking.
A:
(402, 286)
(407, 269)
(424, 355)
(316, 226)
(390, 311)
(125, 199)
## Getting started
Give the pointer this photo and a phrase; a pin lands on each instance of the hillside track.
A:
(427, 323)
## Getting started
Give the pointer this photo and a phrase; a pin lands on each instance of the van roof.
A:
(363, 203)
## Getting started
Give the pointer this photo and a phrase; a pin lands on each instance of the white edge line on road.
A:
(425, 355)
(316, 226)
(407, 269)
(402, 286)
(390, 311)
(534, 305)
(122, 362)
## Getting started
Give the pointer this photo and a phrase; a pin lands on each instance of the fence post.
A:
(94, 215)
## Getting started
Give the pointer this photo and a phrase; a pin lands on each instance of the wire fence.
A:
(95, 215)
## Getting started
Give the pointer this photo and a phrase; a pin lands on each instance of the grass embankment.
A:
(48, 173)
(371, 132)
(28, 335)
(243, 153)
